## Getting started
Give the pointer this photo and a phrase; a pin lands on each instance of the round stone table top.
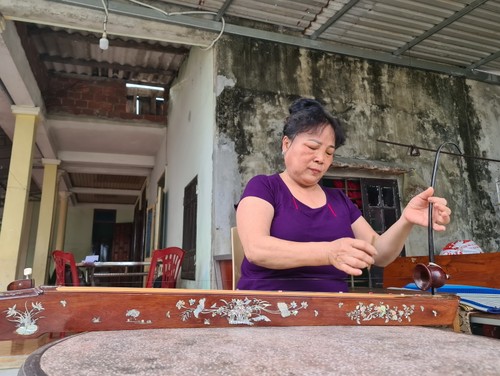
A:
(312, 350)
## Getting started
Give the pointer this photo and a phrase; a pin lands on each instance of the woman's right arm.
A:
(254, 216)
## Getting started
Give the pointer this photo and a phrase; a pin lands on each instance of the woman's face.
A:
(309, 155)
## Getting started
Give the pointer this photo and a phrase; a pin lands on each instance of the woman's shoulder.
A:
(265, 179)
(262, 186)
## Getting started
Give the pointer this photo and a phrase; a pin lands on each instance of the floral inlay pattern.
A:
(26, 320)
(238, 311)
(382, 311)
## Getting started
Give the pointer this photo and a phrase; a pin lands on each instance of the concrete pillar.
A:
(22, 259)
(61, 220)
(18, 186)
(45, 221)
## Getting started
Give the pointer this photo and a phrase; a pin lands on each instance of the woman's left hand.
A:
(416, 211)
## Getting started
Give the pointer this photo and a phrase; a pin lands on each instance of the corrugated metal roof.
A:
(129, 59)
(460, 34)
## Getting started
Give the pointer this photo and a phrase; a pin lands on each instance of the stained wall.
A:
(257, 80)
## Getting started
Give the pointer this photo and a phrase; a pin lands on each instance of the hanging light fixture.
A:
(104, 42)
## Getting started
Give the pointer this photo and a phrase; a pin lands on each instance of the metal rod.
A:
(433, 150)
(430, 230)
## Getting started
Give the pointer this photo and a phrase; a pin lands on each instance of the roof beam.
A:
(223, 9)
(334, 18)
(106, 170)
(105, 191)
(486, 60)
(15, 71)
(93, 39)
(107, 159)
(88, 15)
(469, 8)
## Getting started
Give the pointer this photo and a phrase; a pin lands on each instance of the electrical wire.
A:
(169, 14)
(106, 14)
(105, 7)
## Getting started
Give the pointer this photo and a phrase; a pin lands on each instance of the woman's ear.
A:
(285, 144)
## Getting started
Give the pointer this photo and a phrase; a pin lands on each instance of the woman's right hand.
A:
(351, 255)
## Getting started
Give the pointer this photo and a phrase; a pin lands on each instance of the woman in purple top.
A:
(300, 236)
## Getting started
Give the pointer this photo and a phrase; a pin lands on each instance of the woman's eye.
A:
(314, 147)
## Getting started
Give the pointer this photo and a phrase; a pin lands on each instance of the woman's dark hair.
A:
(308, 114)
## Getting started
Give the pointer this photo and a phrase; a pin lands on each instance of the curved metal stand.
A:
(432, 275)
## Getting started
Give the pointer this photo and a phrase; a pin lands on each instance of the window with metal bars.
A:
(378, 200)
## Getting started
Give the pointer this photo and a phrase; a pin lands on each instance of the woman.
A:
(300, 236)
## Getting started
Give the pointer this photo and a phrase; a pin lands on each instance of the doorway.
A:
(102, 233)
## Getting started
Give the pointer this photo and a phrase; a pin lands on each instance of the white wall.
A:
(191, 127)
(152, 189)
(158, 171)
(78, 235)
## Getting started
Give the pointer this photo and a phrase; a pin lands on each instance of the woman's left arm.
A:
(391, 242)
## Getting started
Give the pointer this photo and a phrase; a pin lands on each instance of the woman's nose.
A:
(319, 158)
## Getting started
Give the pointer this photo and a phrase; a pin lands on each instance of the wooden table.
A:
(296, 350)
(115, 269)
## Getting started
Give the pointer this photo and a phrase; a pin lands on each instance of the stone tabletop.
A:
(313, 350)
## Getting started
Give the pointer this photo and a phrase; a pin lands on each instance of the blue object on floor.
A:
(485, 299)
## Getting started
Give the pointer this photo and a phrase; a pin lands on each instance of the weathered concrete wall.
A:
(258, 80)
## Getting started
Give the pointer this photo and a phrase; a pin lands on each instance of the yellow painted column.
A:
(45, 221)
(16, 196)
(61, 220)
(29, 221)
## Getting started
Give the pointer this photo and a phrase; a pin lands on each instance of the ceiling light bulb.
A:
(103, 42)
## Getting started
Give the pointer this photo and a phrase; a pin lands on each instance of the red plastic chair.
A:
(169, 268)
(61, 259)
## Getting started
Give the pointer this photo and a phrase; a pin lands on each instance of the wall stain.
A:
(374, 101)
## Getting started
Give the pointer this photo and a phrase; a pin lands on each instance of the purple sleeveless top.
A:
(295, 221)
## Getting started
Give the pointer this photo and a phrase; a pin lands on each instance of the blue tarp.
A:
(484, 299)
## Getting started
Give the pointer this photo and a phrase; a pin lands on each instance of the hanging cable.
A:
(186, 13)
